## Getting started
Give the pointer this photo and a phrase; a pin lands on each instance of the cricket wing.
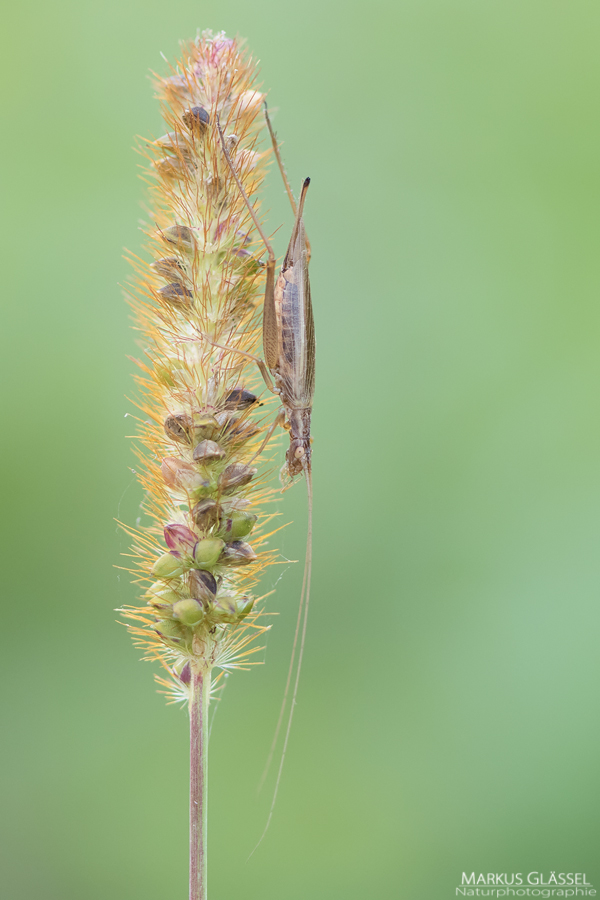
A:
(297, 353)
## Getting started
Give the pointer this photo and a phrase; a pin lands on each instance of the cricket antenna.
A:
(301, 620)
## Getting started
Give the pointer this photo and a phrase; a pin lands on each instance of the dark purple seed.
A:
(203, 585)
(236, 475)
(240, 398)
(169, 267)
(176, 294)
(238, 553)
(208, 451)
(178, 428)
(196, 119)
(180, 539)
(181, 236)
(205, 514)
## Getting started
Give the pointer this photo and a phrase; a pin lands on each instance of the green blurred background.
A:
(448, 719)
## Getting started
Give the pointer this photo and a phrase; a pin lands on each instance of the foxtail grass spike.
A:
(197, 298)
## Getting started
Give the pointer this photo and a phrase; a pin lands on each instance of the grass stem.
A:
(199, 694)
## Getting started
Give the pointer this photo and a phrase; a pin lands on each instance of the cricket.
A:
(288, 370)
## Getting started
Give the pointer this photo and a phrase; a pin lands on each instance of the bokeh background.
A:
(449, 715)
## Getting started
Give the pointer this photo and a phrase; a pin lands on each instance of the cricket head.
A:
(298, 456)
(299, 452)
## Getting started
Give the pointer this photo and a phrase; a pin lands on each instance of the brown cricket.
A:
(288, 370)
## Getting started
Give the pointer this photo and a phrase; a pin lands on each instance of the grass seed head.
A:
(202, 552)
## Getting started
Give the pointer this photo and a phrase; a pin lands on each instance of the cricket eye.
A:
(299, 452)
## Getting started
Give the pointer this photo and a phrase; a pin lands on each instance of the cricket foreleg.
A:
(279, 420)
(259, 362)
